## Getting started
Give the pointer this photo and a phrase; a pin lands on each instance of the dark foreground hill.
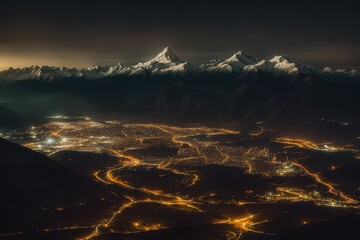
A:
(346, 227)
(36, 192)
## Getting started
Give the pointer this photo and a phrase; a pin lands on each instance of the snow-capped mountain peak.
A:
(280, 59)
(286, 65)
(182, 69)
(242, 57)
(166, 56)
(327, 70)
(118, 66)
(166, 62)
(233, 64)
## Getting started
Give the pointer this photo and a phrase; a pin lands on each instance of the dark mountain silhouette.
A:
(35, 190)
(341, 228)
(345, 227)
(11, 117)
(346, 176)
(250, 97)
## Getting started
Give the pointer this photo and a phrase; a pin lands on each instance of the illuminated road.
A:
(331, 188)
(133, 162)
(195, 148)
(244, 224)
(174, 200)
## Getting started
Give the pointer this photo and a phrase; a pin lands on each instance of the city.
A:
(170, 168)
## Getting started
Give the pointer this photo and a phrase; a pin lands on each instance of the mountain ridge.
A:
(168, 62)
(240, 89)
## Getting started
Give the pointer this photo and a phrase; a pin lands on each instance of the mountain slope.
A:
(240, 88)
(234, 64)
(35, 190)
(166, 62)
(17, 116)
(249, 97)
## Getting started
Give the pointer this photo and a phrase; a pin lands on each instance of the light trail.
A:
(185, 159)
(106, 223)
(57, 132)
(250, 169)
(300, 143)
(94, 137)
(330, 187)
(306, 144)
(224, 155)
(112, 179)
(244, 224)
(96, 175)
(247, 162)
(298, 195)
(148, 227)
(194, 177)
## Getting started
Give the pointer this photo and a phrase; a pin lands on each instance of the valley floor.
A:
(172, 182)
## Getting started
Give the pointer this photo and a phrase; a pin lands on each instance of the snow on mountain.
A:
(242, 62)
(166, 62)
(263, 65)
(327, 70)
(16, 73)
(51, 73)
(181, 69)
(45, 73)
(242, 58)
(347, 73)
(96, 72)
(234, 64)
(285, 65)
(164, 59)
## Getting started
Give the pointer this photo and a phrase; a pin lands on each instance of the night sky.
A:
(83, 33)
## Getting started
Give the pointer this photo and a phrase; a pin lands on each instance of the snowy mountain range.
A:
(241, 89)
(166, 62)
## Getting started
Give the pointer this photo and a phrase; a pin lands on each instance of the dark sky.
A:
(81, 33)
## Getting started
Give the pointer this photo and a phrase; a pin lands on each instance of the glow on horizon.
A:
(21, 61)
